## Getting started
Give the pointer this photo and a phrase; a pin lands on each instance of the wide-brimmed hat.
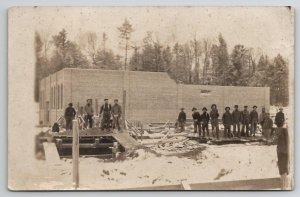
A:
(254, 106)
(245, 106)
(213, 105)
(227, 108)
(194, 108)
(280, 108)
(70, 104)
(106, 99)
(235, 106)
(204, 108)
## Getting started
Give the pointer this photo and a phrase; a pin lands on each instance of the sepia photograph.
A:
(150, 98)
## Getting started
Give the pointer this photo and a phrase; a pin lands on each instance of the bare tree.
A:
(206, 50)
(104, 39)
(125, 33)
(196, 46)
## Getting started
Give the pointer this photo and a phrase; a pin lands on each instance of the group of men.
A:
(244, 123)
(108, 112)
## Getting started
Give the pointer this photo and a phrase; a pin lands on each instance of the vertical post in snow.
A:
(75, 154)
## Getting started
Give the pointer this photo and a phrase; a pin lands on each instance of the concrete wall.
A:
(150, 96)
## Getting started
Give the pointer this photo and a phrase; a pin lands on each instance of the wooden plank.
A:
(185, 185)
(251, 184)
(51, 153)
(126, 140)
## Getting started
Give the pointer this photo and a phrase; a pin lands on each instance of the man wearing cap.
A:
(106, 109)
(245, 121)
(181, 119)
(69, 116)
(214, 115)
(116, 113)
(279, 118)
(204, 119)
(196, 118)
(89, 111)
(267, 128)
(253, 120)
(227, 122)
(236, 117)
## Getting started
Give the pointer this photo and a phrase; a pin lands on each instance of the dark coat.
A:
(70, 113)
(236, 116)
(245, 117)
(204, 117)
(182, 116)
(253, 116)
(279, 119)
(227, 118)
(214, 115)
(196, 116)
(268, 123)
(116, 110)
(106, 108)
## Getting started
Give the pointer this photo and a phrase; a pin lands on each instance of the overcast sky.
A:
(267, 29)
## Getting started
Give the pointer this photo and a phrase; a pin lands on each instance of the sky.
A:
(266, 29)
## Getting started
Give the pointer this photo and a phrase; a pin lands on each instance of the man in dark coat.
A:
(196, 118)
(181, 120)
(214, 115)
(237, 118)
(69, 116)
(106, 109)
(116, 112)
(227, 122)
(253, 120)
(245, 121)
(279, 118)
(204, 120)
(267, 128)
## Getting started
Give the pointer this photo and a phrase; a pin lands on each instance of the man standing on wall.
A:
(236, 117)
(116, 113)
(89, 114)
(245, 122)
(227, 122)
(69, 116)
(205, 120)
(253, 120)
(214, 115)
(106, 109)
(279, 118)
(196, 118)
(181, 120)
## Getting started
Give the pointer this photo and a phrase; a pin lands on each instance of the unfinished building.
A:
(149, 96)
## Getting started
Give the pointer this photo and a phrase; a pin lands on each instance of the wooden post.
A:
(75, 154)
(124, 108)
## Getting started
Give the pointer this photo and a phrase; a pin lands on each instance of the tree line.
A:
(198, 61)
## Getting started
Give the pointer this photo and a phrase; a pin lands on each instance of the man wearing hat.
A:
(236, 117)
(69, 116)
(204, 119)
(245, 121)
(214, 115)
(116, 113)
(181, 119)
(227, 122)
(106, 109)
(253, 120)
(279, 118)
(196, 118)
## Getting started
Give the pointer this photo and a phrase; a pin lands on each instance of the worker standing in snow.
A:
(196, 118)
(214, 115)
(116, 113)
(89, 111)
(279, 118)
(227, 122)
(267, 128)
(236, 117)
(205, 121)
(181, 120)
(69, 116)
(245, 121)
(106, 109)
(253, 120)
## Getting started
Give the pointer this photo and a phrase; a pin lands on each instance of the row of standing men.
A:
(107, 111)
(244, 122)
